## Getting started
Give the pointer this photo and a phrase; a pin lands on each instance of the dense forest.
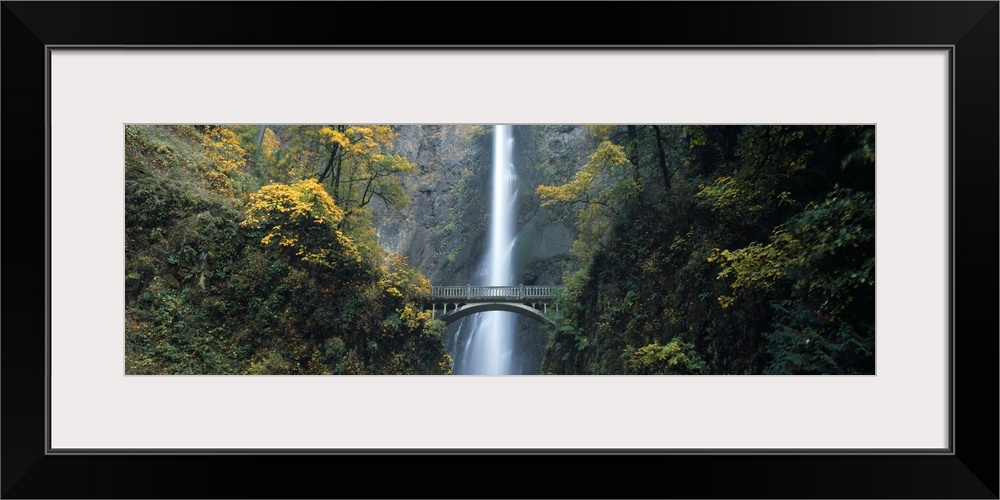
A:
(683, 249)
(720, 250)
(250, 254)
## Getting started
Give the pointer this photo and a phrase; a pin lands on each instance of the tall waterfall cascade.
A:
(488, 348)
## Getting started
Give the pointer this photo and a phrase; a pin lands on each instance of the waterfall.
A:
(489, 345)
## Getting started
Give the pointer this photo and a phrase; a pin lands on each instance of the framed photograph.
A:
(907, 91)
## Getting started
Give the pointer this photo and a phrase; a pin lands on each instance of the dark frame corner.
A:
(30, 28)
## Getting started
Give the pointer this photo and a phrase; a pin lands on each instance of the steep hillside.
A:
(228, 272)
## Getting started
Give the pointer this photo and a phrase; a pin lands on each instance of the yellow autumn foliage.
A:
(358, 139)
(269, 144)
(223, 148)
(400, 280)
(597, 189)
(291, 214)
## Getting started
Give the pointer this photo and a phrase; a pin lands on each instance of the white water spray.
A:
(490, 345)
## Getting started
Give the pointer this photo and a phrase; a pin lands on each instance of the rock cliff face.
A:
(549, 155)
(441, 154)
(443, 230)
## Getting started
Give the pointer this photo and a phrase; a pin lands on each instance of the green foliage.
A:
(819, 270)
(227, 159)
(758, 258)
(568, 341)
(356, 162)
(302, 218)
(675, 358)
(827, 251)
(701, 249)
(598, 189)
(804, 342)
(731, 199)
(269, 284)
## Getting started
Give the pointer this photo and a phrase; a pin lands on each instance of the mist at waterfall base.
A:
(485, 341)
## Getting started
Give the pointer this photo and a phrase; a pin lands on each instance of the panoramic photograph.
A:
(494, 249)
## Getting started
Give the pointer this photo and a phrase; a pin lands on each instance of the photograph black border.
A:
(31, 29)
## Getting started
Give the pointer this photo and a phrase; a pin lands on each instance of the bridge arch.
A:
(478, 307)
(457, 302)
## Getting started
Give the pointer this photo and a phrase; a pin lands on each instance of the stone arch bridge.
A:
(450, 303)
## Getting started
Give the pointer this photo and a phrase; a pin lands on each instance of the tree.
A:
(644, 146)
(357, 162)
(758, 259)
(301, 217)
(222, 147)
(599, 189)
(675, 358)
(818, 273)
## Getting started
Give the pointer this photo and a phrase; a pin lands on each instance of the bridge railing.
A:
(507, 292)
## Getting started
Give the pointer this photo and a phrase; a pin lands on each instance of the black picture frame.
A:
(970, 28)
